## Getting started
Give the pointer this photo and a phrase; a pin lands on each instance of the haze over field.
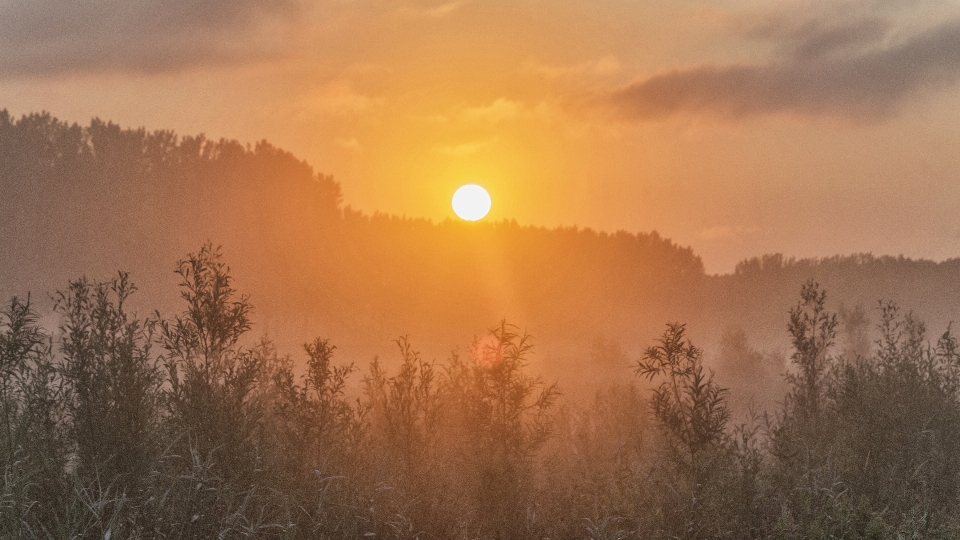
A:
(480, 269)
(738, 127)
(91, 200)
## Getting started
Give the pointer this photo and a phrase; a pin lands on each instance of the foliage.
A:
(111, 379)
(118, 426)
(211, 379)
(34, 446)
(691, 411)
(812, 332)
(690, 408)
(503, 416)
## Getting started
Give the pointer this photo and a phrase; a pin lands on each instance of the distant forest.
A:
(120, 426)
(371, 376)
(91, 200)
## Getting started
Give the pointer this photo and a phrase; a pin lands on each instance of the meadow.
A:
(121, 426)
(620, 392)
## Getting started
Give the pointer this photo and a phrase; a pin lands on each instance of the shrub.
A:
(112, 382)
(691, 412)
(32, 442)
(211, 379)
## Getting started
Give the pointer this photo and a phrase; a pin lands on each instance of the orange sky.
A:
(735, 127)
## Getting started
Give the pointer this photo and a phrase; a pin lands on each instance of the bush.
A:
(102, 437)
(692, 413)
(112, 382)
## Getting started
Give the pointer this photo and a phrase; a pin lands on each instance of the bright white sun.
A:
(471, 202)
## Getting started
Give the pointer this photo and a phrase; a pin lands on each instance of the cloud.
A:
(466, 149)
(608, 65)
(852, 68)
(437, 119)
(436, 11)
(806, 31)
(498, 111)
(351, 144)
(339, 99)
(50, 37)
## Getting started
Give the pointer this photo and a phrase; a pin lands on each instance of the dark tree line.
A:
(98, 197)
(183, 426)
(93, 198)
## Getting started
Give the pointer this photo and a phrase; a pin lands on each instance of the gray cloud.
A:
(48, 37)
(853, 68)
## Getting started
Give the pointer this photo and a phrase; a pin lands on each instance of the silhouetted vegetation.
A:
(94, 198)
(180, 424)
(98, 197)
(118, 426)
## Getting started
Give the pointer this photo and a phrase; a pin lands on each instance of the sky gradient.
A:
(735, 127)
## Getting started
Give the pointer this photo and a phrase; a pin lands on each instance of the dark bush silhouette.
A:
(691, 411)
(112, 381)
(118, 426)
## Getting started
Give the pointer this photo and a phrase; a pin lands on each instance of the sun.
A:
(471, 202)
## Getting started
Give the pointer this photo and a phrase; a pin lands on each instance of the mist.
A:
(202, 337)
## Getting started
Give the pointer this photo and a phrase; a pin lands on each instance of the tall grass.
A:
(117, 426)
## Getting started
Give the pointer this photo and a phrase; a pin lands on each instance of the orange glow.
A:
(486, 351)
(572, 113)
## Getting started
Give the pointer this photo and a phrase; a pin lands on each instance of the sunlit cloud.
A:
(351, 144)
(500, 110)
(608, 65)
(467, 148)
(430, 118)
(339, 99)
(436, 11)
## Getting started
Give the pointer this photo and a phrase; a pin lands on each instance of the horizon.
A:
(480, 269)
(740, 128)
(785, 257)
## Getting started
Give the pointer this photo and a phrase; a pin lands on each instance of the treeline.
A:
(122, 426)
(758, 293)
(90, 199)
(570, 284)
(78, 196)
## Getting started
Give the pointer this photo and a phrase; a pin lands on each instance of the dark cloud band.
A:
(869, 81)
(49, 37)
